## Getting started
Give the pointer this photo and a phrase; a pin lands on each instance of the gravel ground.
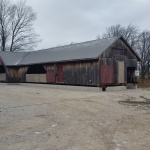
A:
(38, 117)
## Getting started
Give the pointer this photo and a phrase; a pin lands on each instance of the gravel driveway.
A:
(38, 117)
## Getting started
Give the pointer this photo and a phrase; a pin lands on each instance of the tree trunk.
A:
(149, 70)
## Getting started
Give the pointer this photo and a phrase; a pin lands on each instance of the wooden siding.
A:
(131, 63)
(129, 59)
(22, 74)
(50, 77)
(50, 73)
(107, 74)
(16, 74)
(82, 73)
(119, 44)
(60, 74)
(107, 71)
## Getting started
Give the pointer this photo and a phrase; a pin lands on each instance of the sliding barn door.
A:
(107, 75)
(50, 76)
(60, 74)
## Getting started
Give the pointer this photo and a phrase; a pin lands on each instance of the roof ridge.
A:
(84, 50)
(76, 43)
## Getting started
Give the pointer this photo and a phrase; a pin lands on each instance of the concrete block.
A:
(42, 78)
(116, 88)
(36, 78)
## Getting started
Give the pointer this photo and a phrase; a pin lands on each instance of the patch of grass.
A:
(147, 99)
(144, 83)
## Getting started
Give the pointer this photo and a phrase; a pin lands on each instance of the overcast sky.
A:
(61, 22)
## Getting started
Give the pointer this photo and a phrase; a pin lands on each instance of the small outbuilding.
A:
(99, 63)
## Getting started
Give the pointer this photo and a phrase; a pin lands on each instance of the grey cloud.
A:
(64, 21)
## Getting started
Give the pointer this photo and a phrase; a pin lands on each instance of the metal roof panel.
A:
(12, 58)
(78, 51)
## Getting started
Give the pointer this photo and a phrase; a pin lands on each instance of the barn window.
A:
(119, 52)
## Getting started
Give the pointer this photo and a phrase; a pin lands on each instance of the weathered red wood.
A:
(60, 74)
(107, 75)
(50, 77)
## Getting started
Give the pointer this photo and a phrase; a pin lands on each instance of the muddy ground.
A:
(38, 117)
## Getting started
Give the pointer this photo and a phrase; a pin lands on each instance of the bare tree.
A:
(143, 48)
(16, 31)
(5, 12)
(129, 33)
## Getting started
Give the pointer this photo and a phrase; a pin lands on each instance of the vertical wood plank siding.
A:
(60, 74)
(50, 73)
(107, 74)
(129, 59)
(107, 71)
(16, 74)
(131, 63)
(50, 77)
(104, 70)
(82, 73)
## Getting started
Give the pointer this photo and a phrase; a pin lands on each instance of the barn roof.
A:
(12, 58)
(79, 51)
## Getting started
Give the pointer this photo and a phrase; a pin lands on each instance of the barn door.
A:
(107, 75)
(121, 74)
(60, 74)
(50, 75)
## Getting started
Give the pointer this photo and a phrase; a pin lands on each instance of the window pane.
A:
(118, 52)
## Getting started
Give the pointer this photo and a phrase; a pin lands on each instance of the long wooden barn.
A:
(99, 63)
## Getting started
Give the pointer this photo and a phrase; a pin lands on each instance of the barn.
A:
(103, 62)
